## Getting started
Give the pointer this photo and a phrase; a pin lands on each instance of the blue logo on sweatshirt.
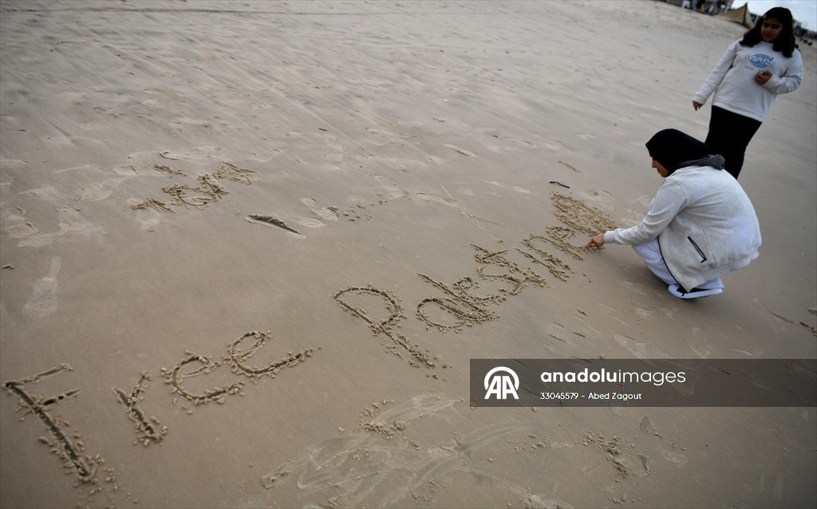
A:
(761, 61)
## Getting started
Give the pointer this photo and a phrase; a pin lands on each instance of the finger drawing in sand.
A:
(460, 307)
(90, 471)
(148, 429)
(175, 377)
(517, 277)
(68, 450)
(237, 357)
(207, 192)
(465, 310)
(385, 326)
(557, 268)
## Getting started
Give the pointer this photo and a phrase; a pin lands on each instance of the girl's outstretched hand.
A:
(596, 242)
(696, 105)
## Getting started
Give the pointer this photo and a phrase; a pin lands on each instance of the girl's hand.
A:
(696, 105)
(596, 242)
(762, 77)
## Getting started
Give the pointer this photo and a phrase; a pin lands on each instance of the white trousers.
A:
(651, 254)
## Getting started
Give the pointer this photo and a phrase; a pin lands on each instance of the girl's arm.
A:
(668, 202)
(716, 76)
(790, 80)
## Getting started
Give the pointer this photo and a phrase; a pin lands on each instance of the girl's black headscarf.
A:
(674, 149)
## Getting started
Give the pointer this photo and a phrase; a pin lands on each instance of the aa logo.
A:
(501, 382)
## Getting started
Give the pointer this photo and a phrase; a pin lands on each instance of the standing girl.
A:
(751, 74)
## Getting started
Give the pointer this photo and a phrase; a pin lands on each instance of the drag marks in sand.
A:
(357, 469)
(359, 466)
(629, 458)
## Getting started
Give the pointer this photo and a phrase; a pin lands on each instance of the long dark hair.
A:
(784, 42)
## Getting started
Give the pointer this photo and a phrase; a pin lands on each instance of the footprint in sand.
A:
(332, 142)
(48, 193)
(323, 212)
(307, 221)
(558, 331)
(398, 163)
(99, 190)
(21, 230)
(637, 348)
(71, 222)
(203, 152)
(44, 299)
(394, 191)
(648, 427)
(8, 164)
(515, 189)
(20, 227)
(147, 217)
(6, 180)
(437, 199)
(674, 455)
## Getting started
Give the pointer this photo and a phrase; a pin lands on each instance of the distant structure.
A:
(740, 15)
(806, 36)
(711, 7)
(723, 9)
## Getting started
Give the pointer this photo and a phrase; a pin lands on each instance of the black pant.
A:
(729, 135)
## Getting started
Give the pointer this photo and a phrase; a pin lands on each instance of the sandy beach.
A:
(249, 249)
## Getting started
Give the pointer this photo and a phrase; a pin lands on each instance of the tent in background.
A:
(740, 15)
